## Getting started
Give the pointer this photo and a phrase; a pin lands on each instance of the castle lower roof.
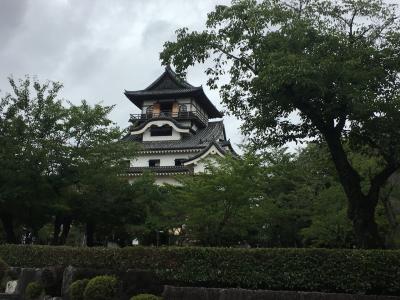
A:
(160, 170)
(214, 132)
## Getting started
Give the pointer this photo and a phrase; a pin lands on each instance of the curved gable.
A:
(160, 123)
(212, 149)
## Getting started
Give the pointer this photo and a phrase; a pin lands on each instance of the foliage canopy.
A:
(319, 70)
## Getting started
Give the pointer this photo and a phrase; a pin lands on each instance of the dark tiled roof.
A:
(167, 86)
(202, 139)
(159, 170)
(172, 80)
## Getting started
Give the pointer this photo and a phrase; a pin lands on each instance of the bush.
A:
(324, 270)
(3, 269)
(77, 289)
(34, 290)
(101, 288)
(145, 297)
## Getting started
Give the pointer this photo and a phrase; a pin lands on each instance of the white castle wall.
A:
(165, 159)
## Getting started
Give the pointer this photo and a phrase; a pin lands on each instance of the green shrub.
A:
(34, 290)
(145, 297)
(101, 288)
(3, 269)
(324, 270)
(77, 289)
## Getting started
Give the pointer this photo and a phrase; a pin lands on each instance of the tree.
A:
(217, 208)
(32, 138)
(95, 158)
(61, 163)
(289, 192)
(316, 70)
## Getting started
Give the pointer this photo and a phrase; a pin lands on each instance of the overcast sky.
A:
(98, 49)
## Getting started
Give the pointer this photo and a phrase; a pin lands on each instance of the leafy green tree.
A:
(61, 163)
(288, 199)
(96, 157)
(321, 70)
(32, 138)
(219, 207)
(159, 217)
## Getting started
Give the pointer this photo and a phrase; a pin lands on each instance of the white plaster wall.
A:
(201, 165)
(176, 135)
(165, 159)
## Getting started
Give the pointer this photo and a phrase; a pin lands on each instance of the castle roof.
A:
(160, 170)
(214, 132)
(168, 86)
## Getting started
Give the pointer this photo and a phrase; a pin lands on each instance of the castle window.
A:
(179, 161)
(154, 163)
(161, 131)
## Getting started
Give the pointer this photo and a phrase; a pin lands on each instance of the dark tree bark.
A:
(361, 208)
(90, 227)
(8, 225)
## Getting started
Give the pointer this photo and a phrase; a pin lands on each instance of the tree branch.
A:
(232, 56)
(342, 121)
(380, 179)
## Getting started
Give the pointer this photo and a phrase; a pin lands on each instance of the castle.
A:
(174, 129)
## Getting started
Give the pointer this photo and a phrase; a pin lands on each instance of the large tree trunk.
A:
(8, 226)
(361, 207)
(362, 214)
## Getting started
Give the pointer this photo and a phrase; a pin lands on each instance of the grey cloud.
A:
(98, 48)
(11, 16)
(156, 33)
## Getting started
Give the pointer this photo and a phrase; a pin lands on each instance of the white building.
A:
(174, 129)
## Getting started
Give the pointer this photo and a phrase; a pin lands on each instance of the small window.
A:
(161, 131)
(154, 163)
(179, 161)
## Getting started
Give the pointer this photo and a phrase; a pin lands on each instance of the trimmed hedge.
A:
(34, 290)
(101, 288)
(324, 270)
(77, 289)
